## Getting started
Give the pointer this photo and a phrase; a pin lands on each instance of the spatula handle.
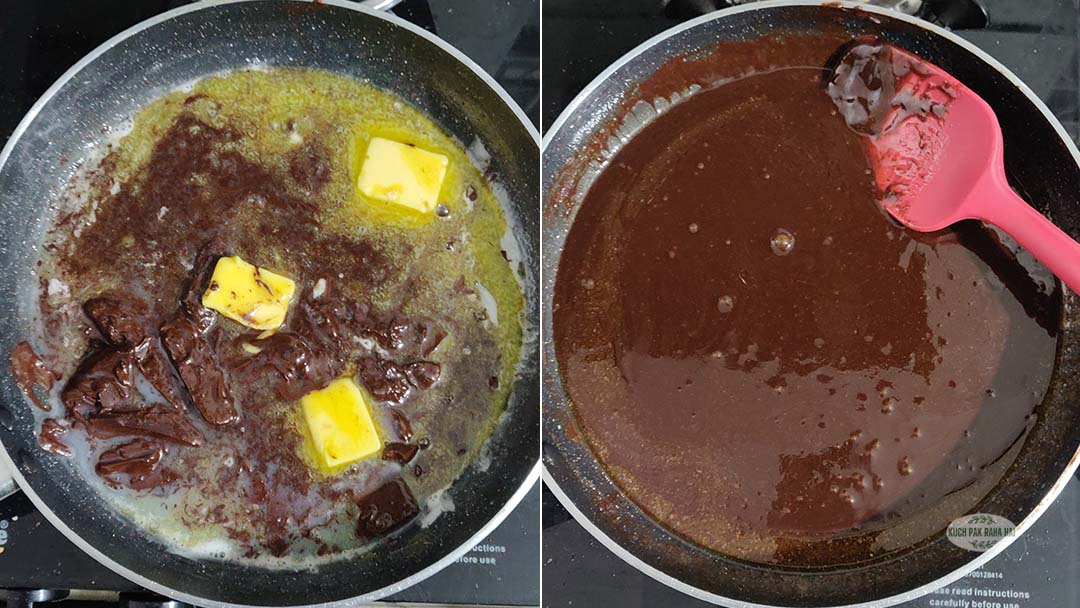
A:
(1058, 251)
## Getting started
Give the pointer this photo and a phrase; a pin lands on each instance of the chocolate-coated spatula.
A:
(936, 151)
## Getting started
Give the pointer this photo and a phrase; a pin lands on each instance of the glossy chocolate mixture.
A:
(760, 358)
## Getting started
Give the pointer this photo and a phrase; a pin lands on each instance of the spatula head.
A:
(930, 140)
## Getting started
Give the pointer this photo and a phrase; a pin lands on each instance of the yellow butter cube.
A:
(339, 419)
(248, 294)
(402, 174)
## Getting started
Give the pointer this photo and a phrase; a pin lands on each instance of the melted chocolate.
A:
(865, 86)
(402, 425)
(402, 453)
(386, 508)
(300, 365)
(185, 339)
(156, 420)
(384, 379)
(30, 372)
(103, 381)
(756, 352)
(122, 321)
(134, 464)
(51, 437)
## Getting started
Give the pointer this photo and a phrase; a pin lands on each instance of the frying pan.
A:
(171, 50)
(1040, 159)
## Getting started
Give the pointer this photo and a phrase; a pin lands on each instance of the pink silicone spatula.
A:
(936, 151)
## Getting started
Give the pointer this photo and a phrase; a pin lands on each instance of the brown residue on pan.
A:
(702, 67)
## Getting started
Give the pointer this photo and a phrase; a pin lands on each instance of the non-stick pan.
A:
(1041, 161)
(172, 50)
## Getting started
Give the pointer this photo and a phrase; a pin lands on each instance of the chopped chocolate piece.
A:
(29, 372)
(402, 425)
(122, 320)
(394, 383)
(385, 380)
(49, 438)
(301, 366)
(103, 380)
(409, 337)
(431, 339)
(134, 464)
(423, 374)
(325, 320)
(399, 452)
(184, 338)
(396, 333)
(155, 366)
(157, 420)
(278, 546)
(202, 270)
(385, 509)
(119, 319)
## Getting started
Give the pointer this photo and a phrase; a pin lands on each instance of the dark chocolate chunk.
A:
(103, 380)
(155, 367)
(300, 365)
(184, 338)
(402, 425)
(399, 452)
(385, 380)
(50, 437)
(385, 509)
(423, 374)
(29, 372)
(122, 320)
(134, 464)
(157, 420)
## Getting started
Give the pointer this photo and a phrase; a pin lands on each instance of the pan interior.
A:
(262, 165)
(172, 53)
(1039, 462)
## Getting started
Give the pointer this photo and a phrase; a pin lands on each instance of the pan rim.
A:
(515, 499)
(594, 530)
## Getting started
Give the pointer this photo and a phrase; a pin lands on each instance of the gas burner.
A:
(28, 598)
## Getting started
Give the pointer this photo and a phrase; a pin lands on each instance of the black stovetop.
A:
(39, 40)
(1039, 40)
